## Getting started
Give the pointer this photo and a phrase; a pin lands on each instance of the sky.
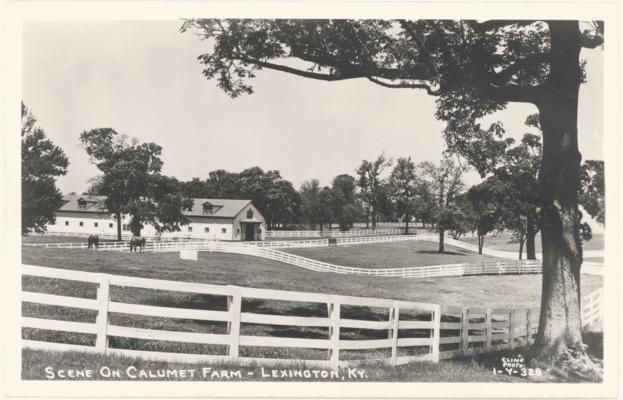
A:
(142, 78)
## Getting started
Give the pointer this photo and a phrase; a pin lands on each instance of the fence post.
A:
(436, 332)
(233, 328)
(488, 328)
(529, 327)
(394, 318)
(465, 331)
(334, 332)
(511, 329)
(103, 297)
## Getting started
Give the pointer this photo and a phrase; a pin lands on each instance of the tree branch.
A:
(591, 42)
(533, 59)
(405, 85)
(494, 24)
(362, 70)
(521, 94)
(295, 71)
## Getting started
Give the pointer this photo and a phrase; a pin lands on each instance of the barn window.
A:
(190, 229)
(82, 205)
(224, 230)
(126, 227)
(250, 214)
(95, 224)
(81, 223)
(110, 225)
(208, 209)
(206, 230)
(66, 223)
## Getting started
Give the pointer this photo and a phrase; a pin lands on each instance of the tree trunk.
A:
(118, 216)
(423, 224)
(530, 236)
(560, 327)
(407, 225)
(441, 236)
(481, 243)
(521, 242)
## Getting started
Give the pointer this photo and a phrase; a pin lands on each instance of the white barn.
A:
(217, 219)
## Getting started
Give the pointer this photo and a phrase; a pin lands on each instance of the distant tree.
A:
(404, 185)
(311, 203)
(132, 183)
(222, 184)
(195, 188)
(371, 186)
(42, 162)
(592, 190)
(426, 204)
(343, 201)
(488, 203)
(445, 184)
(284, 204)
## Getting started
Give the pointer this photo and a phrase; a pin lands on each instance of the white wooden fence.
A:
(447, 331)
(333, 233)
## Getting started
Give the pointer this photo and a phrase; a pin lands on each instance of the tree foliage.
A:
(274, 197)
(445, 183)
(42, 162)
(132, 182)
(373, 192)
(593, 190)
(405, 187)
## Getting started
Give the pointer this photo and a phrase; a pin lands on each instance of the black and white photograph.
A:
(228, 198)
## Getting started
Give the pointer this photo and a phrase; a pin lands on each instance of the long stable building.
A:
(217, 219)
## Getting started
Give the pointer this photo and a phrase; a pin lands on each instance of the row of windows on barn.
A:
(126, 227)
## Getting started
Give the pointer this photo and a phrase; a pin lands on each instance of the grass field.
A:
(501, 242)
(58, 239)
(391, 255)
(218, 268)
(234, 269)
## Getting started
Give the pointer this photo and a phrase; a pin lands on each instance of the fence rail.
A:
(333, 233)
(444, 332)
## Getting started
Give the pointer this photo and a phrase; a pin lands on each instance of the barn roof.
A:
(223, 208)
(93, 203)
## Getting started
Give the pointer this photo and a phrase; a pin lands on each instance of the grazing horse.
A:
(93, 240)
(137, 242)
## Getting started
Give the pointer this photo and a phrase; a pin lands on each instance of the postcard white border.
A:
(17, 12)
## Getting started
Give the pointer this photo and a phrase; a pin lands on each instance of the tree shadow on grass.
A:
(595, 343)
(447, 253)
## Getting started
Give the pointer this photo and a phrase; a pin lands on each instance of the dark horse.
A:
(137, 242)
(93, 240)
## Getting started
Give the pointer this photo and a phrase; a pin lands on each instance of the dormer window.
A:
(250, 214)
(82, 205)
(208, 209)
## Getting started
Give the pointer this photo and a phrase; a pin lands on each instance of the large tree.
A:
(475, 68)
(488, 203)
(372, 190)
(404, 184)
(344, 201)
(42, 162)
(445, 182)
(132, 182)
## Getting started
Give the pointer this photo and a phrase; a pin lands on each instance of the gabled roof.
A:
(223, 208)
(93, 203)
